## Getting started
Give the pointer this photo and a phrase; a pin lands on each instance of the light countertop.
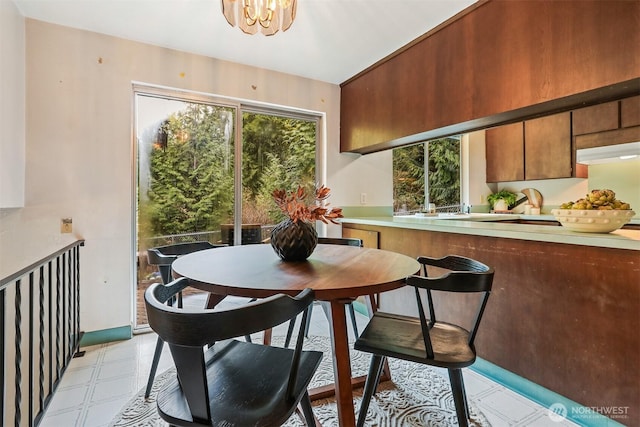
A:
(484, 225)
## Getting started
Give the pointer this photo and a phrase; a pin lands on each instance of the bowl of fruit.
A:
(598, 212)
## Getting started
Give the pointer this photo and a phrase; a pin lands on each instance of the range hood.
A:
(608, 153)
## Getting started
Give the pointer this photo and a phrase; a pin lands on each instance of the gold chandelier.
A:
(270, 16)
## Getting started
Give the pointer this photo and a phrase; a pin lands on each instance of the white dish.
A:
(591, 220)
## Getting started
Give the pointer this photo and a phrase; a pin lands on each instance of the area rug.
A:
(417, 396)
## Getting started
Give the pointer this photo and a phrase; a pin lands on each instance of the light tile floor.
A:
(96, 386)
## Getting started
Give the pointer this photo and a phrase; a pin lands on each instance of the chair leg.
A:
(179, 299)
(464, 398)
(306, 327)
(154, 366)
(373, 378)
(459, 397)
(287, 340)
(307, 411)
(352, 313)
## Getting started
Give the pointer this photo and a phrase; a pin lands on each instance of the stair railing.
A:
(39, 333)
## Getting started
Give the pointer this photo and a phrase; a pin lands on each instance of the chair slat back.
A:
(463, 275)
(347, 241)
(199, 327)
(163, 256)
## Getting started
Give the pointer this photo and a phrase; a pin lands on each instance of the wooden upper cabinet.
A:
(630, 112)
(594, 126)
(496, 62)
(596, 118)
(505, 153)
(613, 115)
(534, 149)
(548, 149)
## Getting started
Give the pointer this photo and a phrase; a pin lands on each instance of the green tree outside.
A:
(191, 187)
(192, 169)
(443, 174)
(278, 152)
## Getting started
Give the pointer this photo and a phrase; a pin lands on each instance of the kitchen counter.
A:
(558, 301)
(490, 225)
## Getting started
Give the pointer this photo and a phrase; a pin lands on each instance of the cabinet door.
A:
(548, 147)
(505, 153)
(630, 112)
(597, 118)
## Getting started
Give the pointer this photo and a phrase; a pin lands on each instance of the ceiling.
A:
(330, 40)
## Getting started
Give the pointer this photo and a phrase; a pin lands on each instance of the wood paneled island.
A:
(565, 307)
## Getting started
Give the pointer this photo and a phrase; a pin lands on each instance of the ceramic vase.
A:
(500, 205)
(294, 241)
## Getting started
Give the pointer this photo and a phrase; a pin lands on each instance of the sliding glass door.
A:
(206, 170)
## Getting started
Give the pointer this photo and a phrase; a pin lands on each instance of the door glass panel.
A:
(185, 178)
(277, 153)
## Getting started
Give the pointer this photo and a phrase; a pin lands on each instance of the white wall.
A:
(12, 88)
(79, 143)
(474, 186)
(622, 177)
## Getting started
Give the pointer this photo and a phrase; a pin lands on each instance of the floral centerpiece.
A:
(295, 238)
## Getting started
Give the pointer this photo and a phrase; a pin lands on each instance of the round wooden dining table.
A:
(337, 273)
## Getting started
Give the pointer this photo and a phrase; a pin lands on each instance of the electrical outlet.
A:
(363, 198)
(66, 225)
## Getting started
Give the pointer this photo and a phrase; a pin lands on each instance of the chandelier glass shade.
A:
(268, 16)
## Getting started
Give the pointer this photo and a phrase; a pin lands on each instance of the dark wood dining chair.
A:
(163, 257)
(352, 313)
(428, 340)
(231, 383)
